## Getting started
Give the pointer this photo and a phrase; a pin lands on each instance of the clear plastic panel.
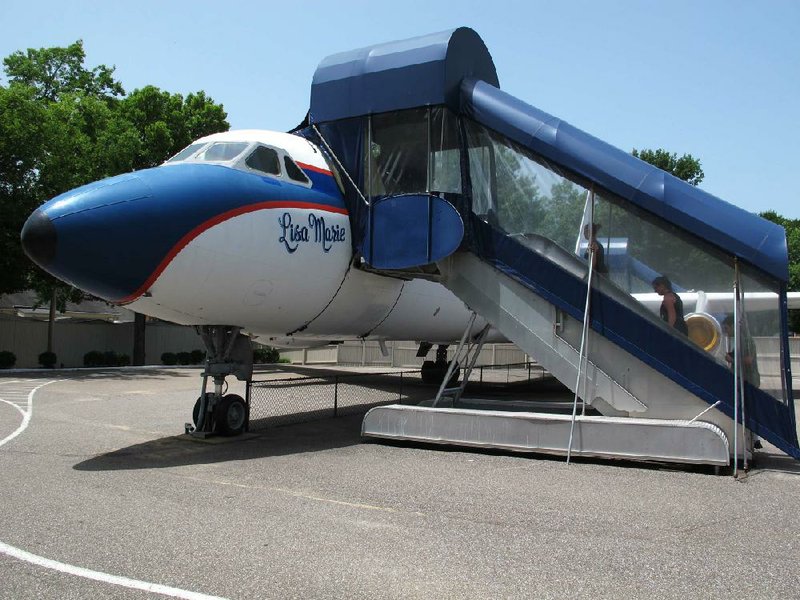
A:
(525, 196)
(684, 280)
(654, 261)
(414, 151)
(520, 193)
(760, 330)
(481, 167)
(445, 159)
(397, 155)
(642, 247)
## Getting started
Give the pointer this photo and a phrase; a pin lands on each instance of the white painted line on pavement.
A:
(17, 406)
(26, 415)
(102, 577)
(47, 563)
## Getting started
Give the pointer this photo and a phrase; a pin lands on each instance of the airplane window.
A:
(223, 151)
(264, 159)
(294, 171)
(186, 152)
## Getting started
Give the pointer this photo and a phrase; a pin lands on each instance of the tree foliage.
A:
(63, 124)
(23, 133)
(687, 167)
(51, 72)
(792, 227)
(166, 123)
(666, 251)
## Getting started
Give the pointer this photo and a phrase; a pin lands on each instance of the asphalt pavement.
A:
(97, 481)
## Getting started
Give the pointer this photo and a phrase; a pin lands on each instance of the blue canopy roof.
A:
(454, 68)
(734, 230)
(422, 71)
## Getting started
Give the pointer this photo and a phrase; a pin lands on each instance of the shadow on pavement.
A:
(176, 451)
(775, 462)
(133, 374)
(89, 374)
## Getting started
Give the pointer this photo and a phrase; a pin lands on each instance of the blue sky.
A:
(717, 79)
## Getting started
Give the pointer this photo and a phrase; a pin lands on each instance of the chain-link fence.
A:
(298, 399)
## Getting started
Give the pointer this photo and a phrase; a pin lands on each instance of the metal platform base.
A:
(693, 442)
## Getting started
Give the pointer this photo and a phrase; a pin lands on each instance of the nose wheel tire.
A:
(231, 415)
(196, 409)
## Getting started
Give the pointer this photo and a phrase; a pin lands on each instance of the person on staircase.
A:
(598, 252)
(671, 305)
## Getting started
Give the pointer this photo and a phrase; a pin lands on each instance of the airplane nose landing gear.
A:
(433, 372)
(228, 352)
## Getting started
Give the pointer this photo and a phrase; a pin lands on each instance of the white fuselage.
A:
(284, 273)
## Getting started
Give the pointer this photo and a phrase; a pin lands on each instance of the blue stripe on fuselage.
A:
(113, 234)
(322, 182)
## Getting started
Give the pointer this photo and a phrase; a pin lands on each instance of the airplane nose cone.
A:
(113, 238)
(38, 238)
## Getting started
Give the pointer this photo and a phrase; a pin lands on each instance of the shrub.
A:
(169, 358)
(93, 358)
(266, 355)
(184, 358)
(7, 359)
(48, 359)
(198, 356)
(109, 358)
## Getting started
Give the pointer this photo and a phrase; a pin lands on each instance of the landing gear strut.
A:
(433, 372)
(228, 352)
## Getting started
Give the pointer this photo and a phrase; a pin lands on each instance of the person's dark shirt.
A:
(600, 262)
(680, 324)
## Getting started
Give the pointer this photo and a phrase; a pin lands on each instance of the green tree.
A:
(687, 167)
(87, 140)
(52, 115)
(563, 214)
(24, 131)
(167, 123)
(792, 227)
(520, 206)
(63, 125)
(51, 72)
(664, 249)
(74, 105)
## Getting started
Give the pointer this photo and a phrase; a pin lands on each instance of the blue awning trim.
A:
(732, 229)
(422, 71)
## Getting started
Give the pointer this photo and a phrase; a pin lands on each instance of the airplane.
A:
(249, 235)
(247, 228)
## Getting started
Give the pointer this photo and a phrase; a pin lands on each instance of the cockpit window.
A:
(294, 171)
(186, 152)
(265, 160)
(223, 151)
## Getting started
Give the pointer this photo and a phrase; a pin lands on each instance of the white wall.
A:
(27, 338)
(401, 354)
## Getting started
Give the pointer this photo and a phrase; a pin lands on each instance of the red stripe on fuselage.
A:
(184, 241)
(315, 169)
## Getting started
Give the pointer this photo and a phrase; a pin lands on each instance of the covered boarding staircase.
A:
(556, 239)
